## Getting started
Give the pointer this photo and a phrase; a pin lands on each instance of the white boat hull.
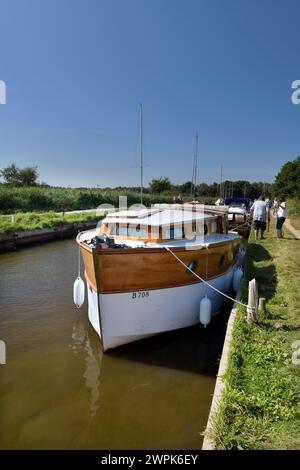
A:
(122, 318)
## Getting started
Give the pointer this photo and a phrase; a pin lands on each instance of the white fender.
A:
(205, 311)
(78, 292)
(237, 279)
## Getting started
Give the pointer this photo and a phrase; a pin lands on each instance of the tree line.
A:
(14, 176)
(228, 188)
(287, 183)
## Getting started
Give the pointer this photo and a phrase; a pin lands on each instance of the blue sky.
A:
(76, 71)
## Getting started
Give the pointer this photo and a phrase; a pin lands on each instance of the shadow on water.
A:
(134, 390)
(195, 349)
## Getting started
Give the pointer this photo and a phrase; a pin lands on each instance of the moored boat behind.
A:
(239, 215)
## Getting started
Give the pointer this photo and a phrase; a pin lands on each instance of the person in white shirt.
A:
(275, 206)
(261, 214)
(282, 213)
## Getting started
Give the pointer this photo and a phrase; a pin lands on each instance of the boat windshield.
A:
(238, 205)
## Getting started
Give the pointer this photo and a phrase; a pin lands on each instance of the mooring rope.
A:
(203, 280)
(79, 260)
(239, 225)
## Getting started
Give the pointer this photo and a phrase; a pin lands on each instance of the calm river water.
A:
(59, 391)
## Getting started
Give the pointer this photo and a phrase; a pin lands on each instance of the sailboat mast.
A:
(192, 182)
(221, 183)
(141, 149)
(196, 165)
(194, 175)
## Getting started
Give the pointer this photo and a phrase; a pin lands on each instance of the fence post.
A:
(252, 307)
(262, 304)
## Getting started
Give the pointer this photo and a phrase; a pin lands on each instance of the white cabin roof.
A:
(236, 210)
(157, 217)
(134, 214)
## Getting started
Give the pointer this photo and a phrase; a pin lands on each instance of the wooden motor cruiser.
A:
(140, 265)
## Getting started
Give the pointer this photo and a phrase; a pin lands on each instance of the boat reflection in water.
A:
(91, 374)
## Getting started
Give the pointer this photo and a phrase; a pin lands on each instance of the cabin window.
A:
(178, 233)
(113, 229)
(239, 217)
(131, 231)
(174, 233)
(136, 231)
(213, 227)
(122, 231)
(200, 229)
(170, 233)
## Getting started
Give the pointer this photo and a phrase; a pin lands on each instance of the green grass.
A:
(294, 212)
(260, 408)
(34, 220)
(15, 199)
(40, 199)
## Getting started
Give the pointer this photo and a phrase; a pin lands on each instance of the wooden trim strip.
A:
(168, 287)
(128, 251)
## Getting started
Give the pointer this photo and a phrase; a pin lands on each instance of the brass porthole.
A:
(192, 265)
(222, 260)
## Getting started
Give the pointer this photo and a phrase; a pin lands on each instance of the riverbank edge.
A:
(208, 441)
(260, 400)
(19, 239)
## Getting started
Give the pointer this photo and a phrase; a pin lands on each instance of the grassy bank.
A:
(33, 220)
(260, 408)
(294, 212)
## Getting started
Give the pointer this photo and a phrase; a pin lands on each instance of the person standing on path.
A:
(275, 206)
(261, 214)
(282, 213)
